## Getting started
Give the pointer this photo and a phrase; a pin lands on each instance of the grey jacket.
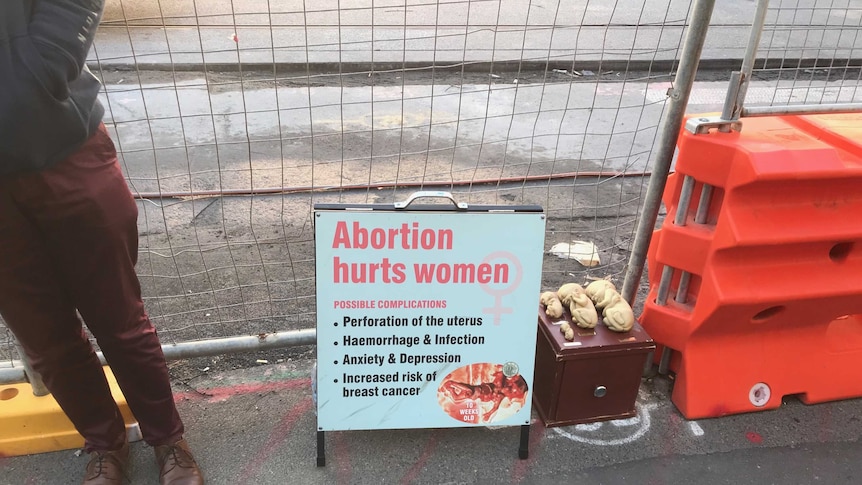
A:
(48, 98)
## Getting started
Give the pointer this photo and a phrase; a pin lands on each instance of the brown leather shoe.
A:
(107, 467)
(177, 466)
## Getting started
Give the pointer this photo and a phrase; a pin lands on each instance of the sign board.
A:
(426, 317)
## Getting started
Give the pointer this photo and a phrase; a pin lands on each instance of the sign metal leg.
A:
(321, 448)
(524, 448)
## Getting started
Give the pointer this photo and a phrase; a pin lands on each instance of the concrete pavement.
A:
(257, 426)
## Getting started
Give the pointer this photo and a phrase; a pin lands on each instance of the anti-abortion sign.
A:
(426, 319)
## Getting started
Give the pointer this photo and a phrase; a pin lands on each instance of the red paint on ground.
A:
(277, 436)
(220, 394)
(417, 467)
(521, 467)
(342, 459)
(659, 474)
(754, 437)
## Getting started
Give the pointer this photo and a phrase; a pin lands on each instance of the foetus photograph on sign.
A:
(483, 393)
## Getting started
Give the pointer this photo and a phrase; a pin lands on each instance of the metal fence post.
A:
(694, 39)
(738, 88)
(33, 377)
(733, 105)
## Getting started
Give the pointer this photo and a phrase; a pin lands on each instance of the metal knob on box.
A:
(600, 391)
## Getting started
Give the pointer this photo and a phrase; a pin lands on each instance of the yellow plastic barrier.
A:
(33, 424)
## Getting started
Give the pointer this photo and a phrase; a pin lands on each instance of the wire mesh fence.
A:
(811, 53)
(278, 136)
(233, 118)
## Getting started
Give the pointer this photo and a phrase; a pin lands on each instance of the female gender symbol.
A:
(498, 293)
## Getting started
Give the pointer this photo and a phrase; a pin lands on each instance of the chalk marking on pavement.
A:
(342, 459)
(588, 426)
(279, 434)
(419, 464)
(220, 394)
(625, 422)
(521, 467)
(641, 422)
(695, 428)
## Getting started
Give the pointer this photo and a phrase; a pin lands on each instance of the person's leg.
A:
(43, 319)
(89, 220)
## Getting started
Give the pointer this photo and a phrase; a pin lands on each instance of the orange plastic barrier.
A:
(774, 306)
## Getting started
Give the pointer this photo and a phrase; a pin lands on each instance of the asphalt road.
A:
(446, 32)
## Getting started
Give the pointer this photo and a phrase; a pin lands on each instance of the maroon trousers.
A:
(69, 241)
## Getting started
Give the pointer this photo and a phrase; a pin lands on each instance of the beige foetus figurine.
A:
(567, 331)
(567, 291)
(553, 306)
(583, 312)
(601, 292)
(618, 314)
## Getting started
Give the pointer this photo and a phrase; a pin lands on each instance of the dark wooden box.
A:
(594, 378)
